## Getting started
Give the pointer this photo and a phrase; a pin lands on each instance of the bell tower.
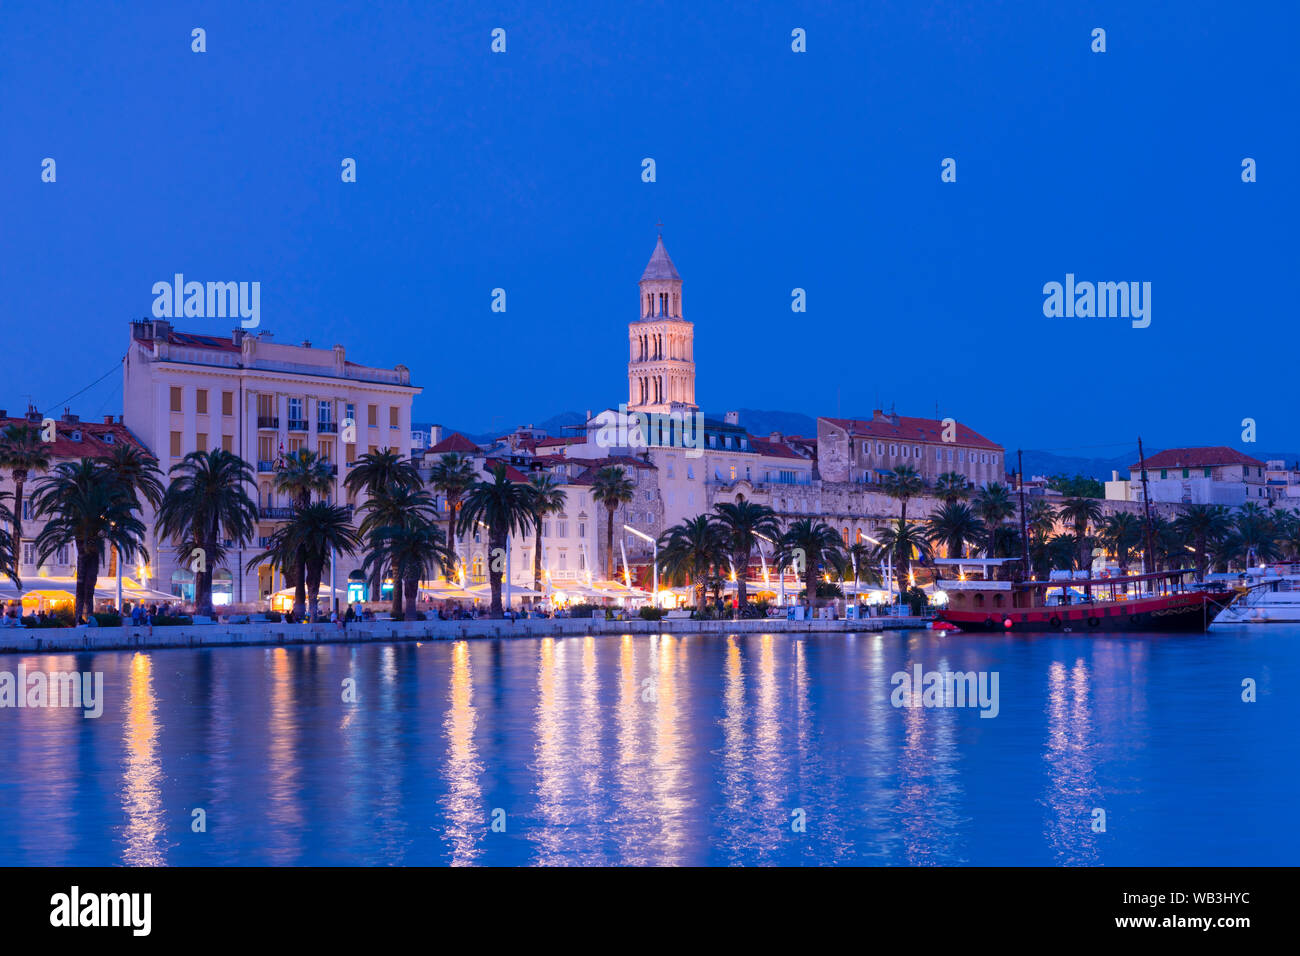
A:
(661, 355)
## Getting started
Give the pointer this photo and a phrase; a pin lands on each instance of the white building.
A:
(260, 399)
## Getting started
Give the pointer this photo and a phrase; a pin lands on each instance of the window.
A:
(201, 441)
(733, 474)
(227, 443)
(201, 401)
(893, 450)
(227, 403)
(690, 472)
(176, 398)
(63, 555)
(582, 560)
(29, 554)
(844, 533)
(350, 411)
(325, 412)
(1164, 472)
(582, 529)
(326, 449)
(265, 449)
(295, 445)
(372, 415)
(176, 445)
(546, 529)
(1207, 473)
(392, 416)
(562, 529)
(295, 409)
(351, 452)
(1187, 473)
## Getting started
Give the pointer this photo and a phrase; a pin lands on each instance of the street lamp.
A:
(655, 544)
(780, 570)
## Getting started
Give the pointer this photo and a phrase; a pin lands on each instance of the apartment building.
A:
(261, 399)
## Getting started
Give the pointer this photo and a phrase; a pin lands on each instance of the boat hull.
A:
(1190, 613)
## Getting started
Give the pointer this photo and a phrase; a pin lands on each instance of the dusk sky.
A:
(775, 170)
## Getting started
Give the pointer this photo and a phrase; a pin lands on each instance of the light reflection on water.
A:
(663, 750)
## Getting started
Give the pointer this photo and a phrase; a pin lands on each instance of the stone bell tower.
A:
(661, 356)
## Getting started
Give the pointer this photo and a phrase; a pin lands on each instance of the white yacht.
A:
(1269, 595)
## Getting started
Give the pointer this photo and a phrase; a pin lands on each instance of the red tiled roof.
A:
(1197, 458)
(92, 444)
(195, 341)
(589, 476)
(565, 440)
(773, 449)
(513, 473)
(911, 429)
(455, 442)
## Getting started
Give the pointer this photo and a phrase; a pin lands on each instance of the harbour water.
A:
(689, 749)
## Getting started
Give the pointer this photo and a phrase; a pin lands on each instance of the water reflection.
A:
(463, 801)
(143, 836)
(638, 750)
(1072, 793)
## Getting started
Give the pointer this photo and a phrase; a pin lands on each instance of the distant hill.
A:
(1046, 463)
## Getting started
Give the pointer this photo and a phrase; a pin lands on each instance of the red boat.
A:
(1166, 601)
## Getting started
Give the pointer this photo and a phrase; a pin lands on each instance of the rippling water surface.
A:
(667, 750)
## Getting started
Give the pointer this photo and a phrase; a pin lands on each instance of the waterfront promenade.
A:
(27, 640)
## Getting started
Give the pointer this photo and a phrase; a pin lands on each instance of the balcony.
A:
(265, 466)
(276, 514)
(268, 421)
(297, 424)
(327, 428)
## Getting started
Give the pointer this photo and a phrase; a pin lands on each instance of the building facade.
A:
(260, 399)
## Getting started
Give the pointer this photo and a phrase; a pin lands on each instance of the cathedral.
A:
(661, 348)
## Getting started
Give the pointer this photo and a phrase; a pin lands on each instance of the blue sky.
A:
(775, 170)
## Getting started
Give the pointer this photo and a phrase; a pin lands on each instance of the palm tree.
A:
(8, 556)
(396, 505)
(902, 484)
(87, 508)
(453, 475)
(900, 542)
(743, 523)
(317, 530)
(414, 551)
(548, 499)
(689, 551)
(858, 562)
(1203, 527)
(301, 474)
(804, 544)
(205, 504)
(952, 486)
(994, 505)
(1255, 536)
(612, 487)
(22, 452)
(1169, 544)
(1121, 536)
(506, 507)
(138, 471)
(1081, 512)
(1040, 522)
(1062, 552)
(374, 473)
(954, 525)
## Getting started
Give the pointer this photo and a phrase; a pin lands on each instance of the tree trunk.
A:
(20, 478)
(313, 587)
(300, 584)
(742, 589)
(412, 593)
(88, 574)
(496, 545)
(452, 507)
(810, 585)
(609, 544)
(399, 599)
(537, 559)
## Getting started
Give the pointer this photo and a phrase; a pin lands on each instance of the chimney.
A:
(70, 418)
(1114, 475)
(435, 435)
(306, 344)
(108, 419)
(237, 336)
(732, 418)
(33, 415)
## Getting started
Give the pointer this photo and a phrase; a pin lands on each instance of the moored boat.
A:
(1168, 601)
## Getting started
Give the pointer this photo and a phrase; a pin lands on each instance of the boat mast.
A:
(1024, 534)
(1149, 554)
